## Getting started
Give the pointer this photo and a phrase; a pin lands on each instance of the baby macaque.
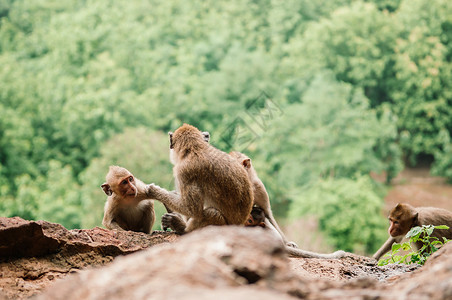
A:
(128, 207)
(261, 198)
(257, 218)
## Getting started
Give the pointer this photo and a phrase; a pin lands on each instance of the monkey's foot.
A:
(174, 222)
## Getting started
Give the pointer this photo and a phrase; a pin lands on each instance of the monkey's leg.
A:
(148, 218)
(272, 220)
(210, 216)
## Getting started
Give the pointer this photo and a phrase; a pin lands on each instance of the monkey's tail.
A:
(308, 254)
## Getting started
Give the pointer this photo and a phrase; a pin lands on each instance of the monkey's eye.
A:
(125, 181)
(250, 221)
(131, 178)
(396, 222)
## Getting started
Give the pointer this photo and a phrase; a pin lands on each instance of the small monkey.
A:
(403, 217)
(260, 193)
(257, 218)
(128, 207)
(211, 188)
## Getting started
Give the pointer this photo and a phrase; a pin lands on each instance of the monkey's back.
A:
(222, 182)
(436, 216)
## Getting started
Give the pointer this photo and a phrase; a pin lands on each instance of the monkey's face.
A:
(398, 226)
(402, 217)
(256, 217)
(250, 221)
(127, 187)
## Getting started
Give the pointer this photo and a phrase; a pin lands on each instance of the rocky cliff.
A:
(47, 261)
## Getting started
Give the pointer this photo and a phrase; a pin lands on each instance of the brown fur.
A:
(261, 198)
(126, 207)
(211, 188)
(403, 217)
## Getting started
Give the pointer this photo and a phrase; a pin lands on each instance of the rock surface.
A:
(50, 262)
(33, 254)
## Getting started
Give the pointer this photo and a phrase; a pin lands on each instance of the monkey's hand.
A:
(152, 190)
(174, 222)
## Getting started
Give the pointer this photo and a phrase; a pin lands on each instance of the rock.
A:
(215, 262)
(33, 254)
(220, 262)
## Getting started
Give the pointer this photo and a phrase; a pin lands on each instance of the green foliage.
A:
(55, 198)
(348, 210)
(416, 234)
(331, 133)
(357, 85)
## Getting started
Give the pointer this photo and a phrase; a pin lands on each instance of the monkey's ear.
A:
(247, 163)
(415, 217)
(107, 189)
(170, 140)
(206, 136)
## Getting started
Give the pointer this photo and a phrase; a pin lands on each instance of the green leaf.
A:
(442, 227)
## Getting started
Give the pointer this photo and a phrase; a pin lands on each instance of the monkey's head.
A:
(205, 134)
(256, 217)
(186, 139)
(402, 218)
(119, 181)
(245, 161)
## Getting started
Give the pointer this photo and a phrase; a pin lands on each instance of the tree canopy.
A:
(320, 94)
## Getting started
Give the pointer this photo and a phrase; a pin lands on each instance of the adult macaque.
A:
(128, 207)
(260, 193)
(206, 137)
(211, 188)
(257, 218)
(403, 217)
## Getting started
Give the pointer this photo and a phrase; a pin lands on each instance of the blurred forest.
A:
(320, 94)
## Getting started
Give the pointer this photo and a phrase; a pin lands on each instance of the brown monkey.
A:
(211, 188)
(260, 193)
(206, 137)
(257, 218)
(403, 217)
(128, 207)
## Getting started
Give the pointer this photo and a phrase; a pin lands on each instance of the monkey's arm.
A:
(172, 200)
(148, 218)
(111, 224)
(385, 248)
(109, 221)
(141, 190)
